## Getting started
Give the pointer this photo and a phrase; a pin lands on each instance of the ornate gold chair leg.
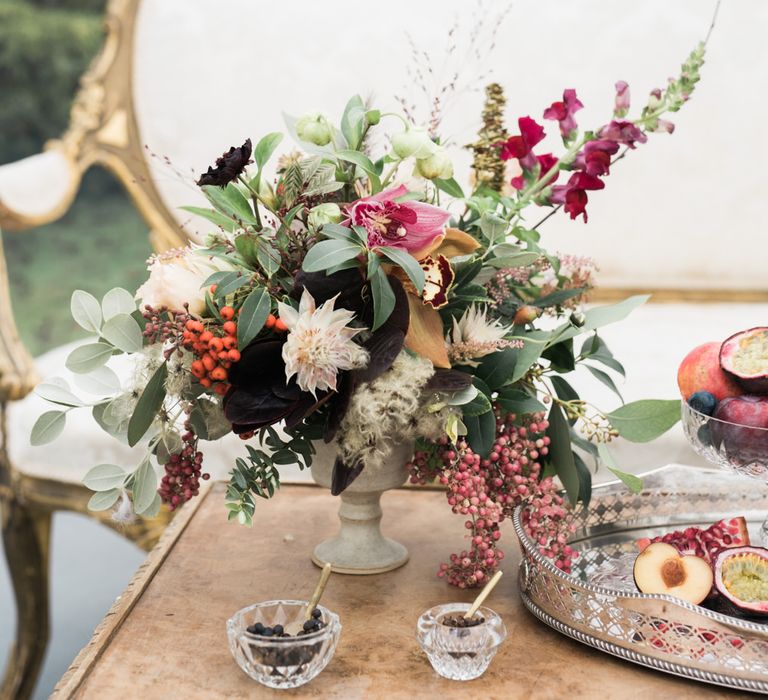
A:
(26, 534)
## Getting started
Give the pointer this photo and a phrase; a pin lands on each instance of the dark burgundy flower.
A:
(623, 132)
(546, 162)
(229, 166)
(520, 146)
(595, 159)
(562, 112)
(573, 196)
(260, 396)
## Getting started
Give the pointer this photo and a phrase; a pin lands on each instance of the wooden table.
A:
(165, 636)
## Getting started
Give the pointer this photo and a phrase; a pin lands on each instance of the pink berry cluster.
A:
(486, 491)
(163, 325)
(181, 481)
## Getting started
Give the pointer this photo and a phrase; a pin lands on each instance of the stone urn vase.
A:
(359, 547)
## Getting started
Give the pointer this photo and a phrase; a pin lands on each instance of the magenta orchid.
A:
(562, 112)
(408, 225)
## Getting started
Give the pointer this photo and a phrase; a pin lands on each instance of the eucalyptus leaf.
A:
(534, 343)
(339, 232)
(86, 310)
(353, 121)
(104, 477)
(253, 316)
(268, 257)
(407, 263)
(266, 147)
(481, 432)
(634, 483)
(519, 260)
(87, 358)
(148, 405)
(363, 162)
(56, 393)
(328, 253)
(383, 297)
(230, 285)
(231, 202)
(216, 218)
(561, 454)
(117, 301)
(103, 500)
(48, 427)
(450, 187)
(497, 369)
(606, 379)
(492, 226)
(519, 402)
(645, 420)
(124, 333)
(100, 382)
(144, 487)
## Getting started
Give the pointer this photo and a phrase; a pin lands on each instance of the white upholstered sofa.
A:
(177, 82)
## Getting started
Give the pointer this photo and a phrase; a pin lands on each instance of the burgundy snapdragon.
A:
(562, 112)
(546, 162)
(573, 195)
(595, 159)
(521, 146)
(623, 132)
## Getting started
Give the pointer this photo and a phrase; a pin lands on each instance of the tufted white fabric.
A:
(83, 444)
(36, 185)
(680, 212)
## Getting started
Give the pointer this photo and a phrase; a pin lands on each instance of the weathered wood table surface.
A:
(165, 636)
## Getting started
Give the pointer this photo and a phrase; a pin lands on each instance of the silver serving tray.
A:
(657, 631)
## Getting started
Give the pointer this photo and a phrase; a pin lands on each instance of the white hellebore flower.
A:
(319, 343)
(414, 142)
(176, 278)
(436, 165)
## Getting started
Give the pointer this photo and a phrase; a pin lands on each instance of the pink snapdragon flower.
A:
(407, 225)
(623, 132)
(621, 106)
(521, 146)
(573, 195)
(562, 112)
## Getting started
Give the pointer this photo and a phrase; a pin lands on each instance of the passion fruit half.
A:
(744, 356)
(741, 576)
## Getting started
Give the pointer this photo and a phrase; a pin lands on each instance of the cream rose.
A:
(176, 278)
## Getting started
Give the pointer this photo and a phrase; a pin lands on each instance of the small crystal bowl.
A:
(459, 653)
(281, 662)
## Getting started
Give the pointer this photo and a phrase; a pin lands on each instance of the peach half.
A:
(660, 568)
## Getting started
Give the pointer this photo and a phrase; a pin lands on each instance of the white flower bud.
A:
(438, 165)
(328, 213)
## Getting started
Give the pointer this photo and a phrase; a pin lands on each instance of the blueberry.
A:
(252, 629)
(703, 402)
(278, 629)
(317, 614)
(267, 632)
(310, 625)
(258, 627)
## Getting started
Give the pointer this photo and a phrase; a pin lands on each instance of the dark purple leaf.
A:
(448, 380)
(343, 475)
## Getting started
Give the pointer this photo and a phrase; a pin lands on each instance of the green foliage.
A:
(148, 405)
(643, 421)
(44, 49)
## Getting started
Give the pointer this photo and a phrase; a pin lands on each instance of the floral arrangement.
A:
(361, 296)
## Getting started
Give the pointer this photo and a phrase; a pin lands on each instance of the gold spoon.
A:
(295, 627)
(482, 596)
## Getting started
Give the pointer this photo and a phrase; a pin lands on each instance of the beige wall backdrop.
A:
(683, 211)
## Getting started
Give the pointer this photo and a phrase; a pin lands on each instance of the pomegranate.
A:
(741, 577)
(707, 542)
(744, 357)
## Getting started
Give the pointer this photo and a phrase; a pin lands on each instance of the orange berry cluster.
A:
(215, 353)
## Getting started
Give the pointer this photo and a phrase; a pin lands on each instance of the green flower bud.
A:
(373, 116)
(328, 213)
(413, 142)
(314, 128)
(438, 165)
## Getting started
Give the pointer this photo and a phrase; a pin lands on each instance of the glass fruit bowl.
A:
(741, 449)
(277, 661)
